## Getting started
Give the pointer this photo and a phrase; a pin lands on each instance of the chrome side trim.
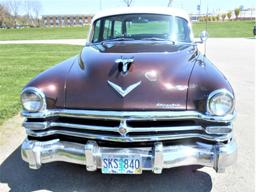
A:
(129, 115)
(104, 137)
(218, 156)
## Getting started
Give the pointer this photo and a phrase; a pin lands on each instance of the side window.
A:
(96, 34)
(181, 26)
(182, 30)
(107, 29)
(118, 29)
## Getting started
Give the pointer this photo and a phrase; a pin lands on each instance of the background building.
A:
(247, 14)
(66, 20)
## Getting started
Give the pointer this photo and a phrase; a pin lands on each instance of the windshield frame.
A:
(92, 30)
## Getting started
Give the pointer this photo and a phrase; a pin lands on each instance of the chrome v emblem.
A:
(121, 91)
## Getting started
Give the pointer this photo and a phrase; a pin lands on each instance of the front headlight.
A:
(220, 102)
(32, 99)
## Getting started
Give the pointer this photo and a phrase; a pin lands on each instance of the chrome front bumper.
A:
(156, 158)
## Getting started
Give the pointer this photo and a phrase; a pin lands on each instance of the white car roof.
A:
(134, 10)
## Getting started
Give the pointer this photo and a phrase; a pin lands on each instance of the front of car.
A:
(139, 96)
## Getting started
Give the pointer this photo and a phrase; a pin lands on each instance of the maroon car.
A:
(139, 96)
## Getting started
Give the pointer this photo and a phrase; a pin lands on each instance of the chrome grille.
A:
(124, 129)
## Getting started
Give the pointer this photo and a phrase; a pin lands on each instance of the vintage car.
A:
(140, 96)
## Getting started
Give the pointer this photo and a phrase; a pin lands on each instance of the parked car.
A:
(140, 96)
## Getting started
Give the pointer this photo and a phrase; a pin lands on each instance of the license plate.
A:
(121, 164)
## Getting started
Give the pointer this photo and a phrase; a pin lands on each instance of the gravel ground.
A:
(234, 57)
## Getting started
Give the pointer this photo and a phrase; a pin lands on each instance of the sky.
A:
(59, 7)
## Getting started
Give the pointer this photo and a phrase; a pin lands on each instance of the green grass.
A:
(226, 28)
(44, 33)
(19, 64)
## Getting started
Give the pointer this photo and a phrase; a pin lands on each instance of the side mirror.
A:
(203, 36)
(87, 43)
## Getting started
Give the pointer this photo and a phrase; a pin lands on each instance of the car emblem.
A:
(121, 91)
(124, 65)
(123, 129)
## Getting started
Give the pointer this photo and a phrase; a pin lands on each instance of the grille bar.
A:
(159, 137)
(47, 125)
(129, 115)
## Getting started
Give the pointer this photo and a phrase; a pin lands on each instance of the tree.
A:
(6, 18)
(27, 9)
(36, 9)
(32, 9)
(237, 12)
(128, 2)
(217, 18)
(223, 16)
(229, 14)
(2, 14)
(205, 18)
(14, 7)
(201, 19)
(169, 3)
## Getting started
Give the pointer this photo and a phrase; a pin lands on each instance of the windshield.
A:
(141, 27)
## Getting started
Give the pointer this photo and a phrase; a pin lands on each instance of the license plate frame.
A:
(121, 164)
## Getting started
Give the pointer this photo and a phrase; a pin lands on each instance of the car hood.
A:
(157, 79)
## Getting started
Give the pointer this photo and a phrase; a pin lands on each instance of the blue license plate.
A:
(121, 164)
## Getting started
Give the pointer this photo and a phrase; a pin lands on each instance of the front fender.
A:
(204, 79)
(52, 83)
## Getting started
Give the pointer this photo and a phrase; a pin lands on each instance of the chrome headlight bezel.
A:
(39, 94)
(218, 93)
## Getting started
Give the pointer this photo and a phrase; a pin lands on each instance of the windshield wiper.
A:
(185, 43)
(154, 39)
(157, 39)
(121, 39)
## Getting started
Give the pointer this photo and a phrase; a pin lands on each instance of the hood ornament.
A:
(124, 65)
(121, 91)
